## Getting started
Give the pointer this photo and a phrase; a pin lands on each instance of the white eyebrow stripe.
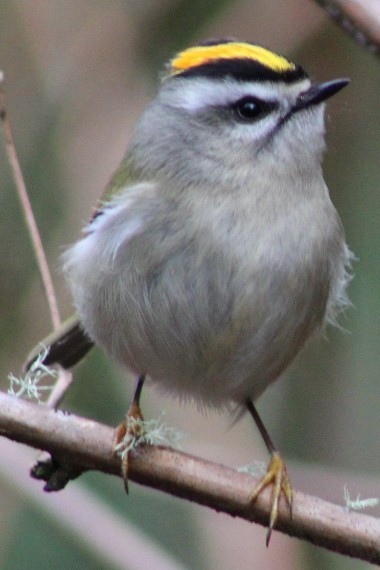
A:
(197, 94)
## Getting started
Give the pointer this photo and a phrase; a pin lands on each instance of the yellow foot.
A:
(276, 475)
(127, 434)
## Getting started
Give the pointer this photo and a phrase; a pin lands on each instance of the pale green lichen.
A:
(29, 386)
(151, 432)
(256, 469)
(358, 504)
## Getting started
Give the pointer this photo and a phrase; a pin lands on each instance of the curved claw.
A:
(277, 476)
(119, 438)
(128, 430)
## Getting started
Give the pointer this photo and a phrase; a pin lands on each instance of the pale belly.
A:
(199, 322)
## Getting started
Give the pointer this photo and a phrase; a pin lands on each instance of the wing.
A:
(66, 346)
(121, 179)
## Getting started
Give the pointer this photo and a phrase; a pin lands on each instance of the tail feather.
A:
(66, 346)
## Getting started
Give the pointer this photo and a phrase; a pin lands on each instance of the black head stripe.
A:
(243, 70)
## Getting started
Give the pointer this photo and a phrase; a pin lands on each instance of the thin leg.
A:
(128, 428)
(134, 408)
(262, 429)
(276, 473)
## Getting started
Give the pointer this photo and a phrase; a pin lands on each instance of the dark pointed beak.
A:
(318, 93)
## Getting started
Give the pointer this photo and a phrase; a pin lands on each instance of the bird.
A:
(215, 252)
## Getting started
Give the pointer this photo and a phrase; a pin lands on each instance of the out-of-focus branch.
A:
(359, 18)
(88, 445)
(117, 543)
(65, 377)
(34, 234)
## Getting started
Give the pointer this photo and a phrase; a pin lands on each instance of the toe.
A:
(276, 475)
(128, 431)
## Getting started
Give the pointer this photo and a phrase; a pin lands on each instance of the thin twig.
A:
(65, 377)
(27, 211)
(359, 18)
(64, 381)
(87, 444)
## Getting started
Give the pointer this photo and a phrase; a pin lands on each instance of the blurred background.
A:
(78, 74)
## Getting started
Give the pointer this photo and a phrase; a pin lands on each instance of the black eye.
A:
(250, 109)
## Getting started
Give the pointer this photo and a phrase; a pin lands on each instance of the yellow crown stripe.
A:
(200, 55)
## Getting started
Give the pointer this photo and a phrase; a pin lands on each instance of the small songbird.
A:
(216, 251)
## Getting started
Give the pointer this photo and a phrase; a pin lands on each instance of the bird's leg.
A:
(276, 474)
(129, 430)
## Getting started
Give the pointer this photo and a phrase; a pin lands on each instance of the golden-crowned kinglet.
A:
(216, 251)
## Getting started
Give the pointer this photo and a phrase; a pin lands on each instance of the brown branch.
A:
(88, 445)
(359, 18)
(31, 224)
(120, 545)
(65, 377)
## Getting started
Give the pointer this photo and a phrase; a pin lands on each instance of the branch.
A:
(119, 545)
(65, 377)
(31, 224)
(88, 445)
(358, 18)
